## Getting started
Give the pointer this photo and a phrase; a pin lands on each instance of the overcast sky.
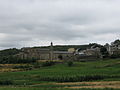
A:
(25, 23)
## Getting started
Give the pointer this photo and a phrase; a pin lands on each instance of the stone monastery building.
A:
(44, 53)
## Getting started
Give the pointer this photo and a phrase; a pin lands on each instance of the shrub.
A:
(37, 65)
(70, 78)
(6, 82)
(48, 63)
(25, 67)
(69, 63)
(115, 56)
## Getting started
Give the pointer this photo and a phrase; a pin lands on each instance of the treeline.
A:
(66, 47)
(14, 60)
(8, 57)
(9, 52)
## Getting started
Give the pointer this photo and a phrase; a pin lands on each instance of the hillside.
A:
(66, 47)
(47, 77)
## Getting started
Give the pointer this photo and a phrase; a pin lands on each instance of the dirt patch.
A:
(77, 85)
(96, 86)
(102, 84)
(92, 83)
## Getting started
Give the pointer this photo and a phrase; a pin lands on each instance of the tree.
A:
(60, 57)
(104, 51)
(69, 63)
(117, 42)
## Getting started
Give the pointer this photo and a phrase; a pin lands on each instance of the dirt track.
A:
(77, 85)
(102, 84)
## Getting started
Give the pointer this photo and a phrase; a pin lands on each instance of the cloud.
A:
(38, 22)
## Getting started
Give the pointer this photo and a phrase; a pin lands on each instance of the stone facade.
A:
(37, 53)
(88, 54)
(113, 49)
(62, 55)
(50, 54)
(44, 54)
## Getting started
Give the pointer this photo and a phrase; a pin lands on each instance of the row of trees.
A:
(13, 60)
(8, 56)
(104, 50)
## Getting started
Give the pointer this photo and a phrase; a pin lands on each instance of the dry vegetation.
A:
(102, 84)
(12, 67)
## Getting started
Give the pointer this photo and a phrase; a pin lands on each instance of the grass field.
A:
(24, 88)
(53, 77)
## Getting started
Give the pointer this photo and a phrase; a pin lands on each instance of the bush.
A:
(24, 67)
(70, 78)
(15, 59)
(69, 63)
(115, 56)
(37, 65)
(48, 63)
(6, 82)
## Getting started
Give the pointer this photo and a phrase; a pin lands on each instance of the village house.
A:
(88, 54)
(113, 49)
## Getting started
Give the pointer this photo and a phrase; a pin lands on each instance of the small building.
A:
(88, 54)
(113, 49)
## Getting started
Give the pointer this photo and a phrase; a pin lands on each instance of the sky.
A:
(27, 23)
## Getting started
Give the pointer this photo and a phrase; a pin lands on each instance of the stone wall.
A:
(43, 54)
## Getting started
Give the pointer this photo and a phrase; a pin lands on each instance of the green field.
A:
(45, 77)
(18, 88)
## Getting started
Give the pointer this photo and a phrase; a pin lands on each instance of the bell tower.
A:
(51, 51)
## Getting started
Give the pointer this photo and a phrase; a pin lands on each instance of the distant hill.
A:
(9, 52)
(66, 47)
